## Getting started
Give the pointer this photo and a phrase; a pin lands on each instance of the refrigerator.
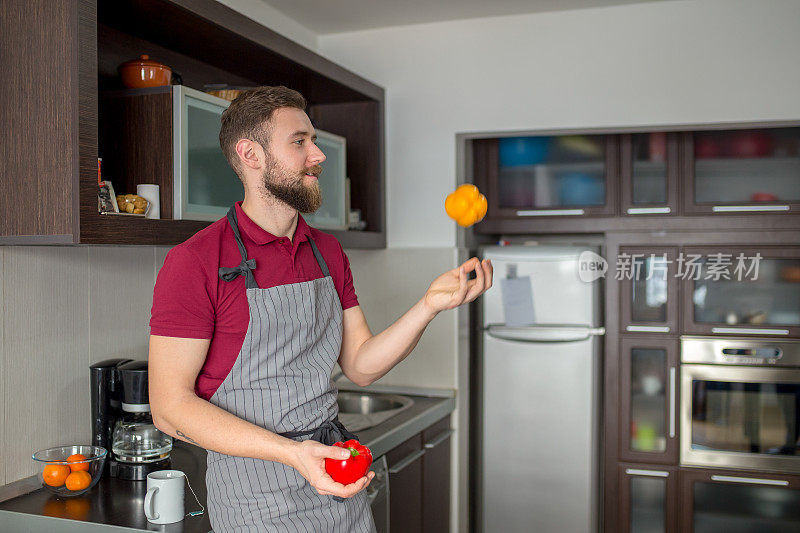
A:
(539, 392)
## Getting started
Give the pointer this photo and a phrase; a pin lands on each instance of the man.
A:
(249, 317)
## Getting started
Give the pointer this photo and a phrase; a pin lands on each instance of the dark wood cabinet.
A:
(648, 419)
(654, 181)
(405, 485)
(727, 500)
(419, 481)
(648, 289)
(649, 166)
(648, 499)
(436, 477)
(742, 171)
(739, 290)
(52, 198)
(547, 177)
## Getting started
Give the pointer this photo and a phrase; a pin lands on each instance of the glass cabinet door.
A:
(648, 399)
(728, 501)
(648, 499)
(743, 171)
(741, 290)
(548, 175)
(648, 289)
(648, 168)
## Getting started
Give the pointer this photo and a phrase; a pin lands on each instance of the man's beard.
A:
(288, 187)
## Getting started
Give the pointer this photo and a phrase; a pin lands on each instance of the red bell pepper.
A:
(350, 470)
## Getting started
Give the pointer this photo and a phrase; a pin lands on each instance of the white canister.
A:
(149, 191)
(163, 502)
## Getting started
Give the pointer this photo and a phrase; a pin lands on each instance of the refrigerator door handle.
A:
(543, 333)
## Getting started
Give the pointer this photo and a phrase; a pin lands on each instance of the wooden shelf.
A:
(52, 198)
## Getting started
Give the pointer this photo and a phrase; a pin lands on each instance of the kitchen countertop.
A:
(116, 505)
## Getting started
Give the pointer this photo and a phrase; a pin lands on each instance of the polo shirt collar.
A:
(261, 236)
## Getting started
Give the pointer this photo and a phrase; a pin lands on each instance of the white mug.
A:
(163, 502)
(149, 191)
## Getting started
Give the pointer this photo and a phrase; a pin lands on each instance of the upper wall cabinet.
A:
(50, 162)
(653, 181)
(741, 291)
(649, 173)
(547, 176)
(742, 171)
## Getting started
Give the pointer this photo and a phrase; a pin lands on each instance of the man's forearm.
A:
(383, 351)
(193, 419)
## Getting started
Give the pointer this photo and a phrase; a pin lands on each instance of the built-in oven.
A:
(740, 403)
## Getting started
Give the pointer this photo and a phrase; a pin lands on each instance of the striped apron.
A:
(281, 382)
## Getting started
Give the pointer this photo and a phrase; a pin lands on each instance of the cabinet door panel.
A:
(548, 176)
(436, 478)
(648, 499)
(648, 290)
(649, 167)
(648, 429)
(742, 171)
(405, 485)
(741, 290)
(736, 502)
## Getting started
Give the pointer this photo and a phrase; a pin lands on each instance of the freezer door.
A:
(539, 452)
(559, 295)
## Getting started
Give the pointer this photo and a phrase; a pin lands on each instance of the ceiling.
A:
(336, 16)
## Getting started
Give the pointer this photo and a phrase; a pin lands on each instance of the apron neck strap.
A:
(244, 268)
(247, 266)
(318, 256)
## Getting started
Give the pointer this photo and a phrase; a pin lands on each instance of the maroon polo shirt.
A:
(191, 301)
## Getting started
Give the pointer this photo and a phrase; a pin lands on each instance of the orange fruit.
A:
(78, 462)
(456, 205)
(55, 475)
(78, 480)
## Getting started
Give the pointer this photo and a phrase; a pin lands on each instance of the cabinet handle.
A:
(672, 402)
(741, 208)
(549, 212)
(439, 439)
(751, 480)
(396, 469)
(648, 210)
(650, 473)
(751, 331)
(648, 329)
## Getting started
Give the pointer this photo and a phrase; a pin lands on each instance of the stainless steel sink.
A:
(362, 410)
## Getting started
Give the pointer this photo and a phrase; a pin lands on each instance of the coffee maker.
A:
(121, 420)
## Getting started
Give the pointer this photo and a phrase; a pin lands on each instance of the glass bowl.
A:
(54, 468)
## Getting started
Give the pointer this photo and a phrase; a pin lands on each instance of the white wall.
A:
(268, 16)
(650, 64)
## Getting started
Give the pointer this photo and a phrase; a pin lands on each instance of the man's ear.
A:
(250, 153)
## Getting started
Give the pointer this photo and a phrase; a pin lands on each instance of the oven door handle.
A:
(672, 401)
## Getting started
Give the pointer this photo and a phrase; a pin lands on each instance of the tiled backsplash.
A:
(64, 308)
(388, 282)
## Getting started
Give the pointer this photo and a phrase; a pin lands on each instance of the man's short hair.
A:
(248, 117)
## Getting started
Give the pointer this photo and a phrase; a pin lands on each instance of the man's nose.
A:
(315, 157)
